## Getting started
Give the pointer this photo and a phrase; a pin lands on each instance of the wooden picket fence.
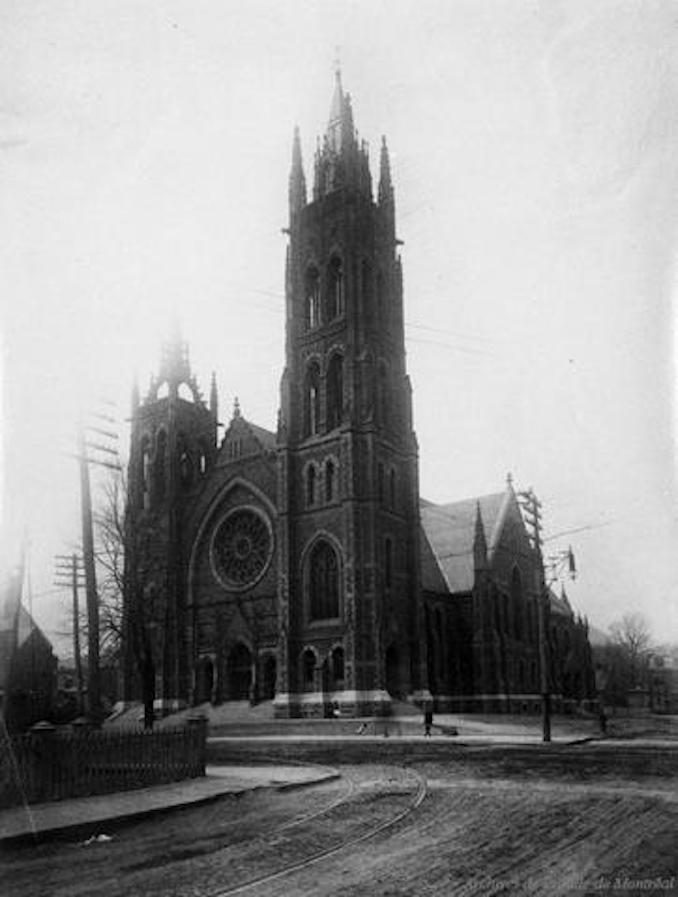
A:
(51, 764)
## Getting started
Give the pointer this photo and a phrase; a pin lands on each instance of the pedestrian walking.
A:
(602, 719)
(428, 720)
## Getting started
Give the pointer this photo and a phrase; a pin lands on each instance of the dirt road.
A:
(433, 828)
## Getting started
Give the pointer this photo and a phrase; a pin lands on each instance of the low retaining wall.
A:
(51, 764)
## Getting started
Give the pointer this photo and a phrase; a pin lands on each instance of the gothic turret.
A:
(479, 542)
(341, 160)
(135, 395)
(297, 186)
(214, 398)
(385, 185)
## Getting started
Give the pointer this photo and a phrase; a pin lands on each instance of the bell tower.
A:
(172, 449)
(350, 612)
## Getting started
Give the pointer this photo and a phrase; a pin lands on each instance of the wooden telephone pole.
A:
(84, 444)
(532, 511)
(69, 568)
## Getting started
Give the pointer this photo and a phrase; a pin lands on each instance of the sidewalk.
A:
(84, 817)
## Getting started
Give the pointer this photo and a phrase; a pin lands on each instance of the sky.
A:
(145, 151)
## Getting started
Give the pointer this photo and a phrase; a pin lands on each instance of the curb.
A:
(82, 830)
(297, 786)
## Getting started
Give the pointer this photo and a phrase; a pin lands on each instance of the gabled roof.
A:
(267, 438)
(447, 533)
(560, 605)
(14, 632)
(256, 438)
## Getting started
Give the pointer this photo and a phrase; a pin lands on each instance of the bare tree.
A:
(127, 609)
(631, 635)
(109, 522)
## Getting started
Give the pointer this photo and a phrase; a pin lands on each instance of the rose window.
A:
(241, 548)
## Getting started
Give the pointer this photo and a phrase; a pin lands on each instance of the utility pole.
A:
(71, 566)
(84, 443)
(532, 511)
(93, 673)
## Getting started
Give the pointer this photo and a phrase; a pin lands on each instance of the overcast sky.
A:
(145, 156)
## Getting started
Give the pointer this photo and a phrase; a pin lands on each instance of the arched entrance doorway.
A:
(337, 669)
(269, 679)
(392, 671)
(239, 673)
(204, 680)
(308, 668)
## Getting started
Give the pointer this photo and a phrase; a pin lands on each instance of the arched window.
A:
(185, 463)
(366, 288)
(312, 298)
(308, 669)
(146, 473)
(392, 488)
(380, 482)
(185, 392)
(337, 667)
(440, 644)
(330, 476)
(517, 602)
(202, 459)
(381, 303)
(383, 396)
(323, 582)
(335, 289)
(388, 563)
(312, 400)
(310, 485)
(335, 392)
(497, 612)
(160, 466)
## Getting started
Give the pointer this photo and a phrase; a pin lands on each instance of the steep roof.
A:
(267, 439)
(255, 439)
(16, 625)
(447, 539)
(560, 605)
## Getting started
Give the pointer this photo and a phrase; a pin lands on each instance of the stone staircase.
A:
(240, 719)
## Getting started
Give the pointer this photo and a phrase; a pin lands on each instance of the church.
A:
(300, 565)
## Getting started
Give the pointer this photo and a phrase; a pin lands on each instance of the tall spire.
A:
(135, 395)
(337, 104)
(214, 398)
(297, 187)
(174, 364)
(385, 185)
(341, 160)
(479, 542)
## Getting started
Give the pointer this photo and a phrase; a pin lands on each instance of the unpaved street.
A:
(445, 828)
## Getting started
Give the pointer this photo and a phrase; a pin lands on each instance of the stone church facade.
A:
(288, 565)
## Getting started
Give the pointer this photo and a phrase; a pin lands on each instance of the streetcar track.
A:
(421, 793)
(300, 820)
(265, 837)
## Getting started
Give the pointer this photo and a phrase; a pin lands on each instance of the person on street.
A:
(428, 719)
